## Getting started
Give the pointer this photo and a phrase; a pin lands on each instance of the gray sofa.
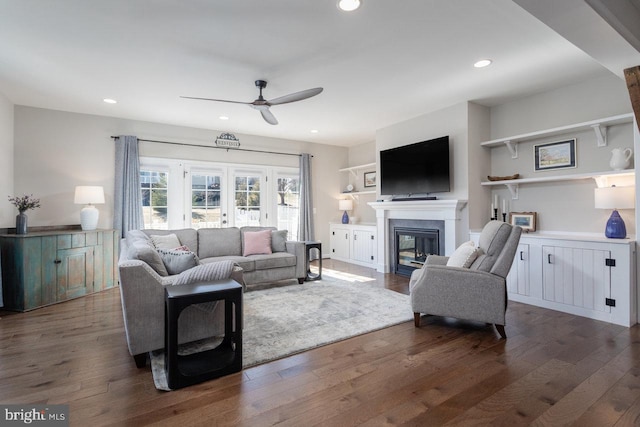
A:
(142, 285)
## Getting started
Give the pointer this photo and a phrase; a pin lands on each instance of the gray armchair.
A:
(476, 293)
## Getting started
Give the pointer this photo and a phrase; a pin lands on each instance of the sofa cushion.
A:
(247, 264)
(256, 242)
(492, 239)
(275, 260)
(217, 242)
(279, 241)
(167, 241)
(178, 261)
(187, 236)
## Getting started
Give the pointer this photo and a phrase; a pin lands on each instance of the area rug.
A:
(285, 320)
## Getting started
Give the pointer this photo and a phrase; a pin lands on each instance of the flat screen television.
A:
(420, 168)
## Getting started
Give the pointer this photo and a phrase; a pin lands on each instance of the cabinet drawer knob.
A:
(57, 261)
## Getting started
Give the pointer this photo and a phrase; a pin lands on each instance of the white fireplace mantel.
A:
(449, 211)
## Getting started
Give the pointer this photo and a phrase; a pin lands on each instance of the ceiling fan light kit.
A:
(263, 105)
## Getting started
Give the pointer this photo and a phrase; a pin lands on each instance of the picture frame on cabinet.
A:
(524, 220)
(369, 179)
(555, 155)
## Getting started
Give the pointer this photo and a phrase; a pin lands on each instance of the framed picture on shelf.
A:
(369, 179)
(525, 220)
(555, 155)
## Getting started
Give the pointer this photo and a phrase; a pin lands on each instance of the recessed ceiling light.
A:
(314, 131)
(348, 5)
(483, 63)
(110, 101)
(223, 118)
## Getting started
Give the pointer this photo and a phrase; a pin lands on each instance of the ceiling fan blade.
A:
(217, 100)
(268, 116)
(297, 96)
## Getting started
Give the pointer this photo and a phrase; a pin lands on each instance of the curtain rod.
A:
(212, 146)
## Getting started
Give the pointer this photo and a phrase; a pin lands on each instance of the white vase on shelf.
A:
(620, 158)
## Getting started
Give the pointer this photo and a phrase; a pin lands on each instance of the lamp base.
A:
(615, 227)
(345, 218)
(89, 218)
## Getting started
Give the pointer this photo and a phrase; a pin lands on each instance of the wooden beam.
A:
(632, 76)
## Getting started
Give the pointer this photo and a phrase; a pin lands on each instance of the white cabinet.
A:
(340, 241)
(576, 276)
(518, 278)
(354, 243)
(584, 275)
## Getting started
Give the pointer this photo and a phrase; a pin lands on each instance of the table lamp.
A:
(345, 205)
(615, 198)
(89, 195)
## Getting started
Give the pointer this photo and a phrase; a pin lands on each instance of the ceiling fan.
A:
(263, 105)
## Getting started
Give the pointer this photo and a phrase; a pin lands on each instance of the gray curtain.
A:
(127, 213)
(305, 231)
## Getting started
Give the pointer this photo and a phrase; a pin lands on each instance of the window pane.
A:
(288, 202)
(205, 201)
(247, 201)
(154, 193)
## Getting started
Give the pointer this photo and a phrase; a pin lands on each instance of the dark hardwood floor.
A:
(554, 369)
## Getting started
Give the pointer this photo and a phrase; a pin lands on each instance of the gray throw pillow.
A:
(278, 240)
(136, 236)
(144, 250)
(178, 261)
(166, 241)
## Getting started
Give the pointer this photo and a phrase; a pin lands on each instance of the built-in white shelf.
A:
(357, 193)
(353, 169)
(600, 178)
(599, 126)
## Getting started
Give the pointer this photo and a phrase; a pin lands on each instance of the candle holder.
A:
(495, 214)
(504, 217)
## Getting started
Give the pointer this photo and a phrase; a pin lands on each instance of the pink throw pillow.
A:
(257, 242)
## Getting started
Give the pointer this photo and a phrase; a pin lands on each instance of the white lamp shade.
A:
(615, 198)
(345, 205)
(88, 194)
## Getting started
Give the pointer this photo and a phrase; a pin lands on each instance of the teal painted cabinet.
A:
(44, 268)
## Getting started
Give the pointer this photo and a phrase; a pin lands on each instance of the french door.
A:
(178, 194)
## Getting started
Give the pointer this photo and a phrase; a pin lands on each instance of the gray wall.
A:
(55, 151)
(563, 206)
(362, 154)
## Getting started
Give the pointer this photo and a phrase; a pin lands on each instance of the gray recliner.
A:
(476, 293)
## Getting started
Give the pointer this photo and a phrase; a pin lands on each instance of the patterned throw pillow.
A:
(205, 272)
(178, 261)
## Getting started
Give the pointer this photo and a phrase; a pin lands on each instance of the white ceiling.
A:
(384, 63)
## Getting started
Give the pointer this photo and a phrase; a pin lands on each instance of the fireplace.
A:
(448, 217)
(412, 241)
(412, 247)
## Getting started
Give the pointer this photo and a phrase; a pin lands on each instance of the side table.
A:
(309, 245)
(225, 359)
